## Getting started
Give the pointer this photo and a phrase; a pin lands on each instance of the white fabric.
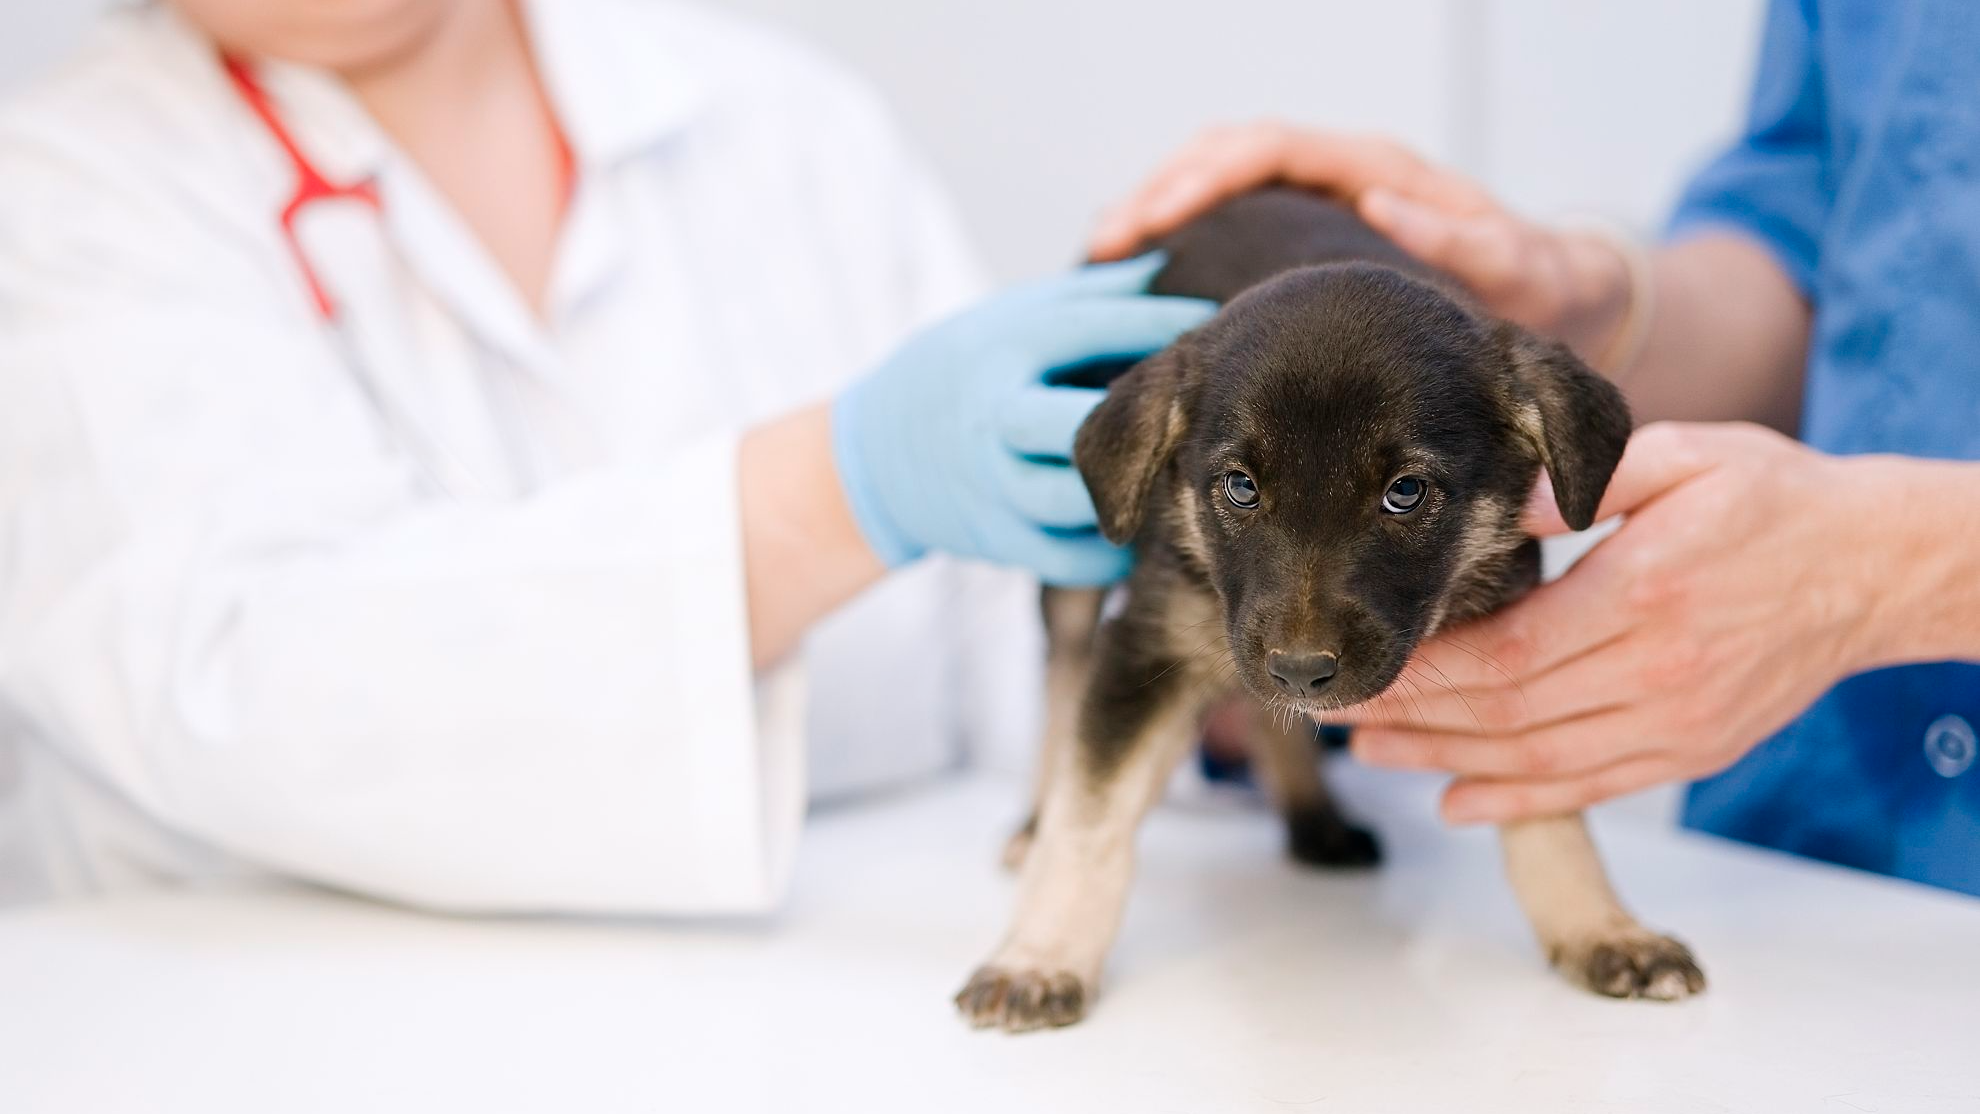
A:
(243, 628)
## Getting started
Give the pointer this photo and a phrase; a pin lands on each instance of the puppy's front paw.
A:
(1319, 837)
(1639, 964)
(1017, 1001)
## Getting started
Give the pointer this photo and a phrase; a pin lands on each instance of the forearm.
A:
(1921, 523)
(803, 554)
(1727, 337)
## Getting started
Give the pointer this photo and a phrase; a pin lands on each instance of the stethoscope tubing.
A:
(311, 186)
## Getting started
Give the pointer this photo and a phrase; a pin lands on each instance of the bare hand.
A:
(1737, 591)
(1571, 286)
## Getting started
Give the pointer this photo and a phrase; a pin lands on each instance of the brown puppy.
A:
(1325, 474)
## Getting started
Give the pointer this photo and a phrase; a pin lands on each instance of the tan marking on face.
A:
(1189, 525)
(1490, 537)
(1526, 419)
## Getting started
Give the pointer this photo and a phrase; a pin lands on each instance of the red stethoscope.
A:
(311, 186)
(441, 468)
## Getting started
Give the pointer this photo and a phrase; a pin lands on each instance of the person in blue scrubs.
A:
(1793, 625)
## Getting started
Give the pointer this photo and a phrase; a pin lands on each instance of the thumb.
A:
(1660, 456)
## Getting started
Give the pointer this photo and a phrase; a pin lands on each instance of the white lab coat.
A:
(240, 628)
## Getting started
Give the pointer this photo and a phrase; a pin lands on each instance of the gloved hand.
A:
(959, 443)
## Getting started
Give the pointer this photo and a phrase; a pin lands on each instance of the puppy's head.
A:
(1345, 452)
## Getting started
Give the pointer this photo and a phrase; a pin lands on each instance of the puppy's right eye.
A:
(1240, 490)
(1405, 495)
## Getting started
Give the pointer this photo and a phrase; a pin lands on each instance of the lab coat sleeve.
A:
(234, 604)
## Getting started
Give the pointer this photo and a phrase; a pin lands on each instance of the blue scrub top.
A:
(1860, 171)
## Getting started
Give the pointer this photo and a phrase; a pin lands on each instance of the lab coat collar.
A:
(329, 126)
(613, 95)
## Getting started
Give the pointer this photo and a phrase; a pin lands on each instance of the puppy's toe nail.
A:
(1639, 965)
(1020, 1001)
(981, 1001)
(1065, 1000)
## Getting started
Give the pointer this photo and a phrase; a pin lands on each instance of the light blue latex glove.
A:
(959, 443)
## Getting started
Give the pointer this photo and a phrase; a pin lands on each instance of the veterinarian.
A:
(1794, 626)
(429, 433)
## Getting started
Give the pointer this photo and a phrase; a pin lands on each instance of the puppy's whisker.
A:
(1412, 692)
(1185, 659)
(1191, 658)
(1444, 680)
(1486, 659)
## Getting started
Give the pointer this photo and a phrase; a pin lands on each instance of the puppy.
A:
(1326, 473)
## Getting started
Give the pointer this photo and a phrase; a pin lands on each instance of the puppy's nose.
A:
(1302, 674)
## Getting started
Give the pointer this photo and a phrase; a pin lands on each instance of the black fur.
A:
(1336, 365)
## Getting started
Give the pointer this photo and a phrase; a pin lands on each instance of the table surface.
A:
(1240, 983)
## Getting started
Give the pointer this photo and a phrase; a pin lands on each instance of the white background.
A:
(1038, 112)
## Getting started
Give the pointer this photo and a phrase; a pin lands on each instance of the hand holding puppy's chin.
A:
(1744, 581)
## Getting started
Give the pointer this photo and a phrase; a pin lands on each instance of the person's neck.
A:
(467, 106)
(476, 46)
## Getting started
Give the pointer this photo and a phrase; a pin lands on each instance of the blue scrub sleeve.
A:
(1774, 183)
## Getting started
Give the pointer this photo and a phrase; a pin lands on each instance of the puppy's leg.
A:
(1133, 731)
(1588, 935)
(1071, 616)
(1317, 834)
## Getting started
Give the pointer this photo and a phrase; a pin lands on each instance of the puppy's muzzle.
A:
(1302, 675)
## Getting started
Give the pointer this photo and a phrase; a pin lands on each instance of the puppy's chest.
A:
(1190, 628)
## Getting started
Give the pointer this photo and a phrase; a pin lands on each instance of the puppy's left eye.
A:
(1405, 495)
(1241, 490)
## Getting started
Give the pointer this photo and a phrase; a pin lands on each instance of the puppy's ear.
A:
(1576, 420)
(1125, 441)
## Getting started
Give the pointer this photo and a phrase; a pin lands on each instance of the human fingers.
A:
(1127, 276)
(1096, 280)
(1224, 162)
(1484, 249)
(1553, 624)
(1085, 330)
(1076, 561)
(1579, 744)
(1214, 165)
(1043, 420)
(1599, 679)
(1499, 800)
(1046, 494)
(1660, 458)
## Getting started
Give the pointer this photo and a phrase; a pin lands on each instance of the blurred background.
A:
(1039, 112)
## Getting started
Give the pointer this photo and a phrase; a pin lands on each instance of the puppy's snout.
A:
(1302, 674)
